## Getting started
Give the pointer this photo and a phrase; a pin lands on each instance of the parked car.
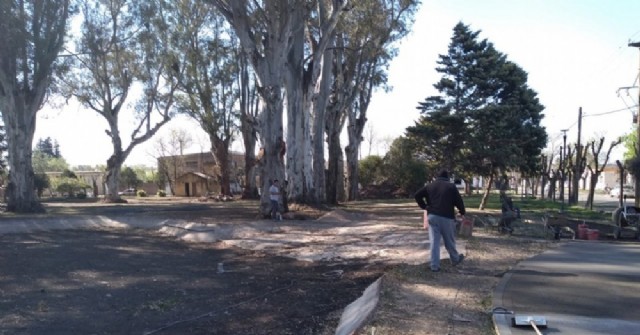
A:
(129, 191)
(627, 190)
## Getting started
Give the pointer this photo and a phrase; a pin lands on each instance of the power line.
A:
(629, 108)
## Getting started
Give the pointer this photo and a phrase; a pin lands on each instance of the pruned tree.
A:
(124, 46)
(31, 35)
(370, 138)
(597, 164)
(544, 172)
(169, 154)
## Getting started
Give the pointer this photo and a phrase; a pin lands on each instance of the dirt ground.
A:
(140, 281)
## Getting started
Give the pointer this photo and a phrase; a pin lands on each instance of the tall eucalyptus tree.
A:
(304, 92)
(31, 37)
(123, 46)
(266, 32)
(365, 44)
(205, 50)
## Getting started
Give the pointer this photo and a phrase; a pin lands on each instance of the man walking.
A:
(439, 199)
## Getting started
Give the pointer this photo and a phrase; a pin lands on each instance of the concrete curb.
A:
(501, 318)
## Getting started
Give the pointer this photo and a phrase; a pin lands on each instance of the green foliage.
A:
(42, 163)
(161, 193)
(129, 177)
(48, 147)
(630, 141)
(371, 170)
(68, 174)
(633, 166)
(141, 193)
(402, 168)
(144, 173)
(41, 182)
(68, 186)
(537, 207)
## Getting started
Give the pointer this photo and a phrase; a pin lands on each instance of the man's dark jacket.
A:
(440, 197)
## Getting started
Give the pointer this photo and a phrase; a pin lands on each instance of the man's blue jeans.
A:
(274, 209)
(445, 228)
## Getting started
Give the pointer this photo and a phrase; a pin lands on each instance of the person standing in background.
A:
(274, 196)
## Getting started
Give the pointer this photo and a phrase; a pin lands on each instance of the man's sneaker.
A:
(460, 259)
(435, 270)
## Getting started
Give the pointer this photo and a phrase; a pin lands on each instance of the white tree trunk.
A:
(299, 173)
(19, 120)
(318, 126)
(272, 161)
(351, 151)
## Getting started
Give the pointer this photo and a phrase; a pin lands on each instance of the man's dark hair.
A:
(443, 174)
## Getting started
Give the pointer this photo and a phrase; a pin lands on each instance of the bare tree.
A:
(370, 137)
(31, 37)
(170, 155)
(595, 167)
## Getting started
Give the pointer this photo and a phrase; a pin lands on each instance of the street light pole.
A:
(637, 182)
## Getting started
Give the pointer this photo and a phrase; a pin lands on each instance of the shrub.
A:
(81, 195)
(162, 193)
(142, 193)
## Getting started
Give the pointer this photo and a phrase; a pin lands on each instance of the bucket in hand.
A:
(466, 227)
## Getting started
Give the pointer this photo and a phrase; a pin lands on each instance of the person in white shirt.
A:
(274, 196)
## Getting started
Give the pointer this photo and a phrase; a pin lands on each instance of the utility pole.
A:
(577, 167)
(563, 158)
(637, 183)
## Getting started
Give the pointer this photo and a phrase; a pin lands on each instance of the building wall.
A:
(199, 163)
(192, 185)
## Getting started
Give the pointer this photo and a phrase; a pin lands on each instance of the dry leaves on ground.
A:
(457, 300)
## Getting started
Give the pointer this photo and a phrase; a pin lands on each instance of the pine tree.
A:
(442, 127)
(486, 120)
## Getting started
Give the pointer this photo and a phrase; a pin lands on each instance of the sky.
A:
(575, 51)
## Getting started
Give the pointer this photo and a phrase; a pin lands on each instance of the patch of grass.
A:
(537, 207)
